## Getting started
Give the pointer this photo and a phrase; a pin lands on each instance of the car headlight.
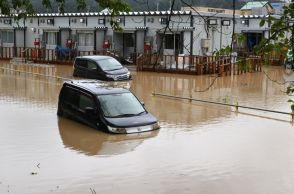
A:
(111, 76)
(138, 129)
(116, 130)
(155, 126)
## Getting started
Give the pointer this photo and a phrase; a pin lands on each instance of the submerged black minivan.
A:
(100, 67)
(107, 108)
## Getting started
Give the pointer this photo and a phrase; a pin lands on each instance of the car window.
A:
(109, 64)
(92, 65)
(81, 63)
(120, 105)
(86, 101)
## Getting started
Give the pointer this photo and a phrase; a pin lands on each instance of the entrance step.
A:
(18, 60)
(29, 61)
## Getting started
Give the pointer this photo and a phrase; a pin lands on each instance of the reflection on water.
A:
(251, 89)
(93, 142)
(28, 90)
(200, 148)
(288, 76)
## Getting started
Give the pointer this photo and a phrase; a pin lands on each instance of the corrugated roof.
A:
(254, 4)
(108, 14)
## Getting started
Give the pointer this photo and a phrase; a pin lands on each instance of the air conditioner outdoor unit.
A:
(101, 21)
(205, 43)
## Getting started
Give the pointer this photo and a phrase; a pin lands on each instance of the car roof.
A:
(95, 57)
(98, 87)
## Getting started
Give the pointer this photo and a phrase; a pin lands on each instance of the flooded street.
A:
(200, 148)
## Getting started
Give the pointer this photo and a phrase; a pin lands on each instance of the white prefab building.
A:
(170, 33)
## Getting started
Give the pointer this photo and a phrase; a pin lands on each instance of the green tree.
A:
(281, 39)
(281, 32)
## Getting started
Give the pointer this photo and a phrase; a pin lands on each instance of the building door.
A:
(64, 35)
(252, 39)
(128, 45)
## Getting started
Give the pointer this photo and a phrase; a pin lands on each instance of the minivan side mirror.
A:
(90, 110)
(143, 104)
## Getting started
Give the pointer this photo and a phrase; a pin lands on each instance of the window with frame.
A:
(78, 99)
(71, 96)
(7, 36)
(51, 38)
(86, 39)
(172, 41)
(81, 63)
(163, 21)
(86, 101)
(92, 65)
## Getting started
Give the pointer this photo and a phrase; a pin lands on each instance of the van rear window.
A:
(78, 99)
(81, 63)
(71, 96)
(86, 101)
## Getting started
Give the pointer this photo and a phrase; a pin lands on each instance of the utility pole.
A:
(234, 15)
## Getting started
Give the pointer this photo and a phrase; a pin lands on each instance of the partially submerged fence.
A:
(191, 64)
(186, 64)
(42, 55)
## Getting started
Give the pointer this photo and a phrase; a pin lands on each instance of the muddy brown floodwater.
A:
(200, 148)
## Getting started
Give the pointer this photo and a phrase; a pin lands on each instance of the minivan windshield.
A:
(109, 64)
(120, 105)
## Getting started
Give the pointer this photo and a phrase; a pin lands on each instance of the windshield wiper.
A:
(140, 113)
(124, 115)
(128, 115)
(114, 69)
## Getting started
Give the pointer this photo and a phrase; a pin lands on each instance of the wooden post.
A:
(200, 65)
(177, 62)
(221, 67)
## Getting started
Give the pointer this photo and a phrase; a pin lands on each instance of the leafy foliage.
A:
(281, 37)
(280, 27)
(226, 51)
(290, 90)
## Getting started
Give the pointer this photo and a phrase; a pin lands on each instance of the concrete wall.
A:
(65, 34)
(99, 39)
(140, 36)
(19, 38)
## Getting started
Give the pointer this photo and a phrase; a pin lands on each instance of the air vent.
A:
(226, 22)
(101, 21)
(212, 22)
